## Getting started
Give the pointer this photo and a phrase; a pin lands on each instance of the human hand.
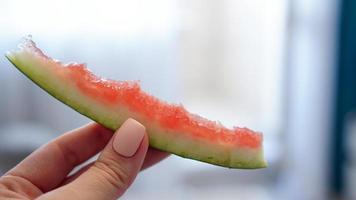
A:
(44, 173)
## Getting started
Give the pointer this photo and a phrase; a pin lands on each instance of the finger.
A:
(115, 169)
(48, 166)
(77, 174)
(153, 156)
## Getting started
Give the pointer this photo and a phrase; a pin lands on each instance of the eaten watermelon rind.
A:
(40, 69)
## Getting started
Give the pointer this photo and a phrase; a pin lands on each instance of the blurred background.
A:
(284, 67)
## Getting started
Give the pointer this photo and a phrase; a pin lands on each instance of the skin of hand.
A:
(44, 174)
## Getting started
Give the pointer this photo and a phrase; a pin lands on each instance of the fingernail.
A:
(128, 137)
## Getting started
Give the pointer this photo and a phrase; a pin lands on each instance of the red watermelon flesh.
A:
(170, 127)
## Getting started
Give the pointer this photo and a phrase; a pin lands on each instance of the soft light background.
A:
(262, 64)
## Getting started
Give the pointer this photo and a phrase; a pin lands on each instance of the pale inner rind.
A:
(43, 72)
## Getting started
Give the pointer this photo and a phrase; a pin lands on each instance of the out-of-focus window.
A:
(232, 59)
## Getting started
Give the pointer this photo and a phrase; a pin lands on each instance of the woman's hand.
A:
(44, 173)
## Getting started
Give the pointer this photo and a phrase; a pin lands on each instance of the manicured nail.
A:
(128, 137)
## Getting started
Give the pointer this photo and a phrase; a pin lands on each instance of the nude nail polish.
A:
(128, 138)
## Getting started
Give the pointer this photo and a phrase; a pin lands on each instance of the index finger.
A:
(48, 166)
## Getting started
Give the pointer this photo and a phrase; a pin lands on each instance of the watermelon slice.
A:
(171, 127)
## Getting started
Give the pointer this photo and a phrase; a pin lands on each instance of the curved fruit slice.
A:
(170, 127)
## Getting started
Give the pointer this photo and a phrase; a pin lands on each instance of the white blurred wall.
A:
(223, 59)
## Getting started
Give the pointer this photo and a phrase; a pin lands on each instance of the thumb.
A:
(116, 167)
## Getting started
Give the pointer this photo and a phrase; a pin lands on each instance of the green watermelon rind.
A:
(162, 139)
